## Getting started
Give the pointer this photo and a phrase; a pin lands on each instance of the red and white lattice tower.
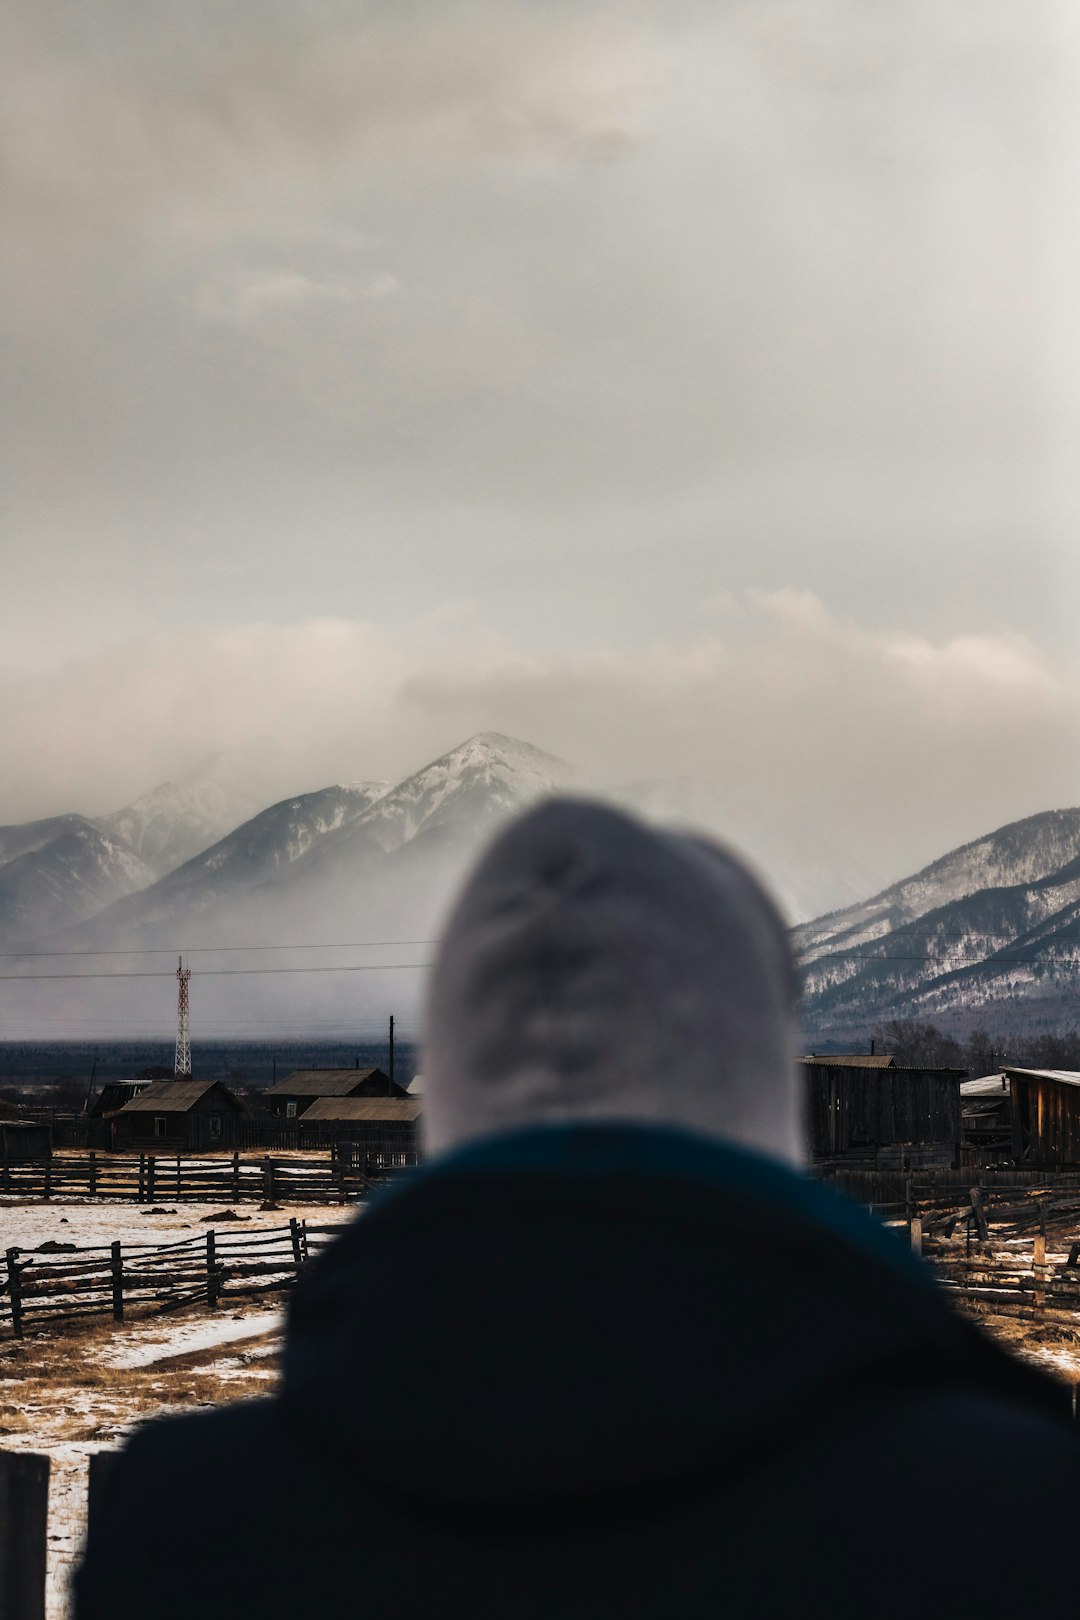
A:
(182, 1066)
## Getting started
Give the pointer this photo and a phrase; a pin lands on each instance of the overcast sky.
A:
(691, 389)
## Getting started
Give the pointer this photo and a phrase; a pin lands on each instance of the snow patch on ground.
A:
(93, 1222)
(185, 1338)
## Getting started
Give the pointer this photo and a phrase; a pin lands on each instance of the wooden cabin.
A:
(382, 1130)
(1045, 1116)
(24, 1139)
(986, 1117)
(113, 1095)
(178, 1116)
(877, 1114)
(292, 1097)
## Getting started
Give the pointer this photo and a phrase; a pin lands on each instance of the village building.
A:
(875, 1114)
(113, 1095)
(986, 1116)
(1044, 1116)
(854, 1060)
(24, 1139)
(292, 1097)
(178, 1116)
(380, 1131)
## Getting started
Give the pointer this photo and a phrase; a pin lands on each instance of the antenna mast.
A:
(182, 1066)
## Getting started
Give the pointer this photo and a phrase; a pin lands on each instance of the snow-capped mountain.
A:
(477, 784)
(26, 836)
(251, 855)
(313, 867)
(1022, 852)
(56, 881)
(989, 930)
(176, 820)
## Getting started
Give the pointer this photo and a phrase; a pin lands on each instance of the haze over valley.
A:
(320, 910)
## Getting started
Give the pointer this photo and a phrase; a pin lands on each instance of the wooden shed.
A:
(382, 1130)
(293, 1097)
(178, 1116)
(878, 1114)
(1045, 1116)
(24, 1139)
(986, 1116)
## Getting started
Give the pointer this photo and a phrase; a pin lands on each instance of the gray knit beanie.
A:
(597, 969)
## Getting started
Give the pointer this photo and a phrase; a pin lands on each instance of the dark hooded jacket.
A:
(605, 1370)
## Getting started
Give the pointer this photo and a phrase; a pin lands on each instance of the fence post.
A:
(93, 1174)
(24, 1512)
(179, 1194)
(116, 1265)
(1038, 1267)
(975, 1194)
(916, 1234)
(236, 1177)
(48, 1177)
(268, 1180)
(14, 1277)
(151, 1164)
(212, 1288)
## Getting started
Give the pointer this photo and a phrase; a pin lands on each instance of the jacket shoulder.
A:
(178, 1475)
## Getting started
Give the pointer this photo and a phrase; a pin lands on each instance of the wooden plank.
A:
(975, 1195)
(14, 1291)
(24, 1511)
(117, 1268)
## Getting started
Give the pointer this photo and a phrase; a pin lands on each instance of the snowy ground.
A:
(104, 1220)
(69, 1404)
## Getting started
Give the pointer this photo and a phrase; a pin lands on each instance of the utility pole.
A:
(390, 1091)
(182, 1064)
(90, 1089)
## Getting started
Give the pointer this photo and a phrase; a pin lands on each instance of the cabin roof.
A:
(853, 1060)
(987, 1085)
(169, 1097)
(1064, 1077)
(404, 1109)
(321, 1082)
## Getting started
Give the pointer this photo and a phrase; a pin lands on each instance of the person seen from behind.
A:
(611, 1351)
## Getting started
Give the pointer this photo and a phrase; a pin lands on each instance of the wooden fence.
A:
(1002, 1247)
(146, 1177)
(58, 1285)
(249, 1133)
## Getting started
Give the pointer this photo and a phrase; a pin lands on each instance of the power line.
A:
(218, 973)
(171, 950)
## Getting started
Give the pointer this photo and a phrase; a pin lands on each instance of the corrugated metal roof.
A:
(1064, 1077)
(987, 1085)
(363, 1108)
(168, 1097)
(854, 1060)
(320, 1082)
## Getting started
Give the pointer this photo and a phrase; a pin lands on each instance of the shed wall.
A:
(852, 1108)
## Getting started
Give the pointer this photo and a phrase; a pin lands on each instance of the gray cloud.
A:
(840, 756)
(319, 320)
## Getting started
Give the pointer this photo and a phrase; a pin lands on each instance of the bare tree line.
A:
(924, 1045)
